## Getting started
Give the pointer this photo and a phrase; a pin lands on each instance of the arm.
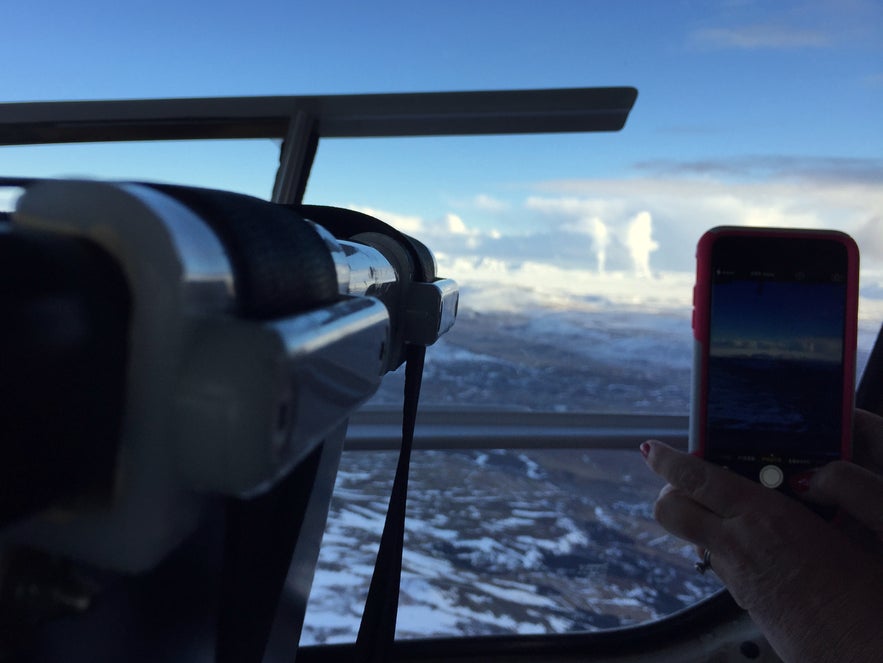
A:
(815, 593)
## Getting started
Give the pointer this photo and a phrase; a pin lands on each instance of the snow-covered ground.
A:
(530, 541)
(540, 541)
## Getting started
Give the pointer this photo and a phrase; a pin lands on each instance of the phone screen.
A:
(776, 351)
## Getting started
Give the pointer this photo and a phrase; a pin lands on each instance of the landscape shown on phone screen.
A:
(775, 365)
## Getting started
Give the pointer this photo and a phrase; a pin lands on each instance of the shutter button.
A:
(771, 476)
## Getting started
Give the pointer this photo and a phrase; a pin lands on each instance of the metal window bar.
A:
(302, 119)
(448, 428)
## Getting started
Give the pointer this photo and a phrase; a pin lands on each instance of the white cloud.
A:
(682, 208)
(649, 225)
(599, 223)
(640, 242)
(488, 203)
(600, 236)
(761, 36)
(869, 237)
(490, 284)
(455, 225)
(580, 206)
(600, 242)
(404, 222)
(621, 227)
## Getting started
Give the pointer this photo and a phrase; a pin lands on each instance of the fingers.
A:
(685, 518)
(867, 440)
(718, 490)
(856, 490)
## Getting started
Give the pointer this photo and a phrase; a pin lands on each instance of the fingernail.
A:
(645, 449)
(800, 482)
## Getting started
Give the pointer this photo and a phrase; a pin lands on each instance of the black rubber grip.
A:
(281, 265)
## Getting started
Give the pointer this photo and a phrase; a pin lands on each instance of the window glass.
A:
(505, 541)
(576, 296)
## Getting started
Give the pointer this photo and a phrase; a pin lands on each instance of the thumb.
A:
(854, 489)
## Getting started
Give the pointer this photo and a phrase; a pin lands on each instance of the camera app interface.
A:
(776, 351)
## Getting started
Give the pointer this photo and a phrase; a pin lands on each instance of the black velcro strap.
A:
(281, 265)
(378, 628)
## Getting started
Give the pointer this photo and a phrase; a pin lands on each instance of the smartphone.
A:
(774, 322)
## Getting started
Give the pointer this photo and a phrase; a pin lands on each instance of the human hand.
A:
(809, 587)
(856, 488)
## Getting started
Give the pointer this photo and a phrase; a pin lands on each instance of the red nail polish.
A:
(800, 482)
(645, 449)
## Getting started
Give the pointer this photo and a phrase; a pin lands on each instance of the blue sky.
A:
(748, 111)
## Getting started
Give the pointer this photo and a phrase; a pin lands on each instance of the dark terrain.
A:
(520, 541)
